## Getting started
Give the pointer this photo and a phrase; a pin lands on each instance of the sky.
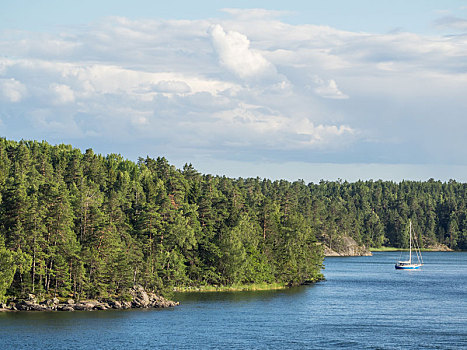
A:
(312, 90)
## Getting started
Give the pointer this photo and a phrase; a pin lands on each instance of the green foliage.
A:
(7, 268)
(84, 225)
(10, 263)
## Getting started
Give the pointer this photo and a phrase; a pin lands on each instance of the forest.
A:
(91, 226)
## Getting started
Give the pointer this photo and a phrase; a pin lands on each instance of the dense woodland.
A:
(87, 225)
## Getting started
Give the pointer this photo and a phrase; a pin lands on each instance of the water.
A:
(364, 304)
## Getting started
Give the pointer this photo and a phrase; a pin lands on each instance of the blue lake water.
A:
(364, 304)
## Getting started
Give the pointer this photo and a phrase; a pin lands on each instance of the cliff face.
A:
(347, 247)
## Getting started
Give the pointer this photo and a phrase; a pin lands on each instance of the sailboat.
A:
(408, 264)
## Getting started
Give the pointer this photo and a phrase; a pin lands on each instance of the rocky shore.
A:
(438, 247)
(140, 298)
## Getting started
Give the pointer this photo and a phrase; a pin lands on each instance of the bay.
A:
(363, 304)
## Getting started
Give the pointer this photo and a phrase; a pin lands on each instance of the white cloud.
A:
(12, 90)
(236, 55)
(328, 89)
(249, 85)
(63, 93)
(324, 135)
(260, 127)
(172, 86)
(23, 44)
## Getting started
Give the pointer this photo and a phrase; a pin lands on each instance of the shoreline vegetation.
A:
(84, 226)
(242, 287)
(438, 248)
(232, 288)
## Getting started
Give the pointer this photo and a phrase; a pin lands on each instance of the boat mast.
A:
(410, 241)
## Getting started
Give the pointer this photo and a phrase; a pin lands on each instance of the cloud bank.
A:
(247, 87)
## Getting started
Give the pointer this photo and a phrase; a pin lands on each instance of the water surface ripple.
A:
(364, 304)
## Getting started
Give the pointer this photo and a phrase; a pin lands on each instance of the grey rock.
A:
(161, 302)
(115, 304)
(85, 305)
(39, 307)
(346, 246)
(52, 303)
(65, 307)
(25, 305)
(101, 306)
(143, 299)
(126, 304)
(81, 307)
(21, 307)
(28, 305)
(140, 297)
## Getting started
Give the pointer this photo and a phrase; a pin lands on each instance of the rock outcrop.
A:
(140, 298)
(143, 299)
(329, 252)
(346, 246)
(438, 247)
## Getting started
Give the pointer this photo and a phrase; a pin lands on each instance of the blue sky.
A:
(360, 15)
(298, 89)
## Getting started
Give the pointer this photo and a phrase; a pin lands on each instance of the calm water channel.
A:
(364, 304)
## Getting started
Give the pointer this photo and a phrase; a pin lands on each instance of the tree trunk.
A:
(33, 265)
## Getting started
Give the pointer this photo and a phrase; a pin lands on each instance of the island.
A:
(85, 231)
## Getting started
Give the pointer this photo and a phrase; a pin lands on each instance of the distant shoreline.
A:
(393, 249)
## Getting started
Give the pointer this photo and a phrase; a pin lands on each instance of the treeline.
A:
(89, 225)
(377, 213)
(93, 226)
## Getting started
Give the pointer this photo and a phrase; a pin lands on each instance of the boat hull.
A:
(407, 267)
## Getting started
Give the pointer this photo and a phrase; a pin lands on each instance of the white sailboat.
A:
(408, 264)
